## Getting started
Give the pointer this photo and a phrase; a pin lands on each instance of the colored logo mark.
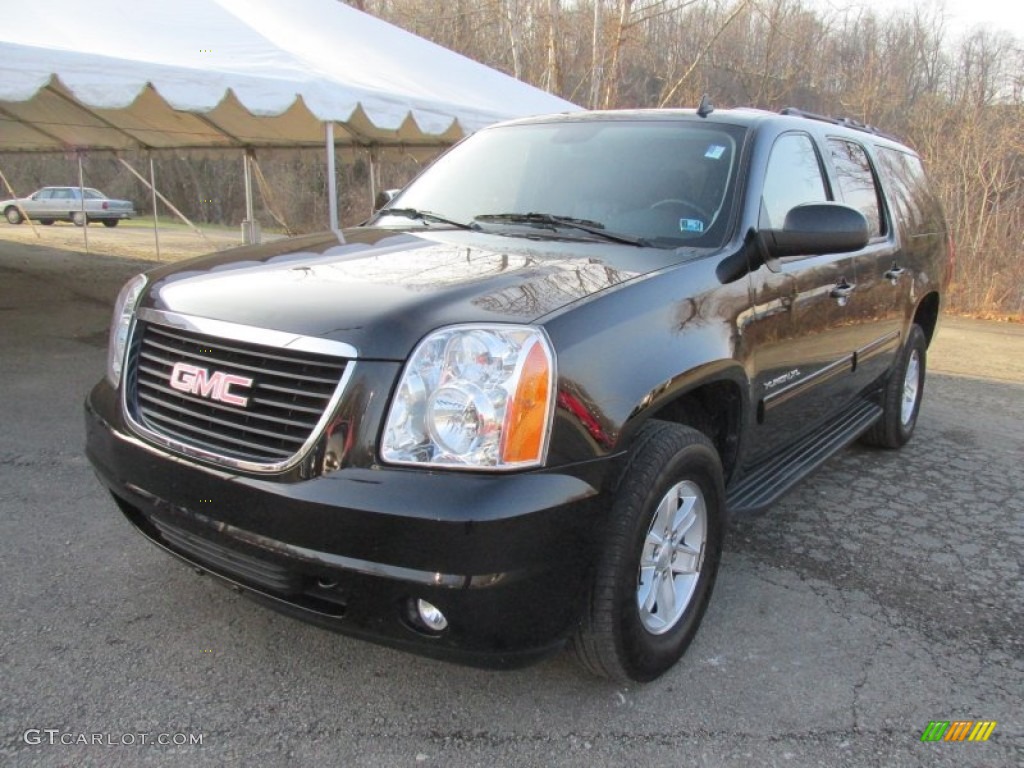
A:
(958, 730)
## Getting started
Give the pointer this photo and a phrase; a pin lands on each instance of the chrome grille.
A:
(289, 396)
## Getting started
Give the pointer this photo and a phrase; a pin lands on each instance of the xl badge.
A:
(214, 386)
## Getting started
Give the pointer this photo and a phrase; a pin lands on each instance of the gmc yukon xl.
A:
(513, 410)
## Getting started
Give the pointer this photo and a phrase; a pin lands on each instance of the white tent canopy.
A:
(155, 74)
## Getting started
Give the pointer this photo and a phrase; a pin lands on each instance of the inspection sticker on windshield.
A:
(691, 225)
(715, 151)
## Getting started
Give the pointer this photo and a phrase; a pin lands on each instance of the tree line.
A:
(956, 95)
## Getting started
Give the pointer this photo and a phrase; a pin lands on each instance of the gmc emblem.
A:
(215, 386)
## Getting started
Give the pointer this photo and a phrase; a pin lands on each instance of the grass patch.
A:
(145, 221)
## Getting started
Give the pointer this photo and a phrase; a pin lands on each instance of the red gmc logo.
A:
(215, 386)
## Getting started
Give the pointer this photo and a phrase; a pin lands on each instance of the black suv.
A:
(515, 407)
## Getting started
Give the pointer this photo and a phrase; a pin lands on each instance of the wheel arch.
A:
(711, 399)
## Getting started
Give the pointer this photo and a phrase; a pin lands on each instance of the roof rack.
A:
(846, 122)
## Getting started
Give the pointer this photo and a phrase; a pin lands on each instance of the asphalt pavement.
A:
(883, 593)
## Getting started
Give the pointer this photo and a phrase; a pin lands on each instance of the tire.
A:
(110, 222)
(13, 215)
(79, 219)
(633, 627)
(46, 222)
(901, 398)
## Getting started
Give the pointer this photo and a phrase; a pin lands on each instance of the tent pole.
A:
(373, 179)
(332, 181)
(17, 205)
(251, 235)
(81, 199)
(152, 186)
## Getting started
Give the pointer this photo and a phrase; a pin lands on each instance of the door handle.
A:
(841, 292)
(894, 273)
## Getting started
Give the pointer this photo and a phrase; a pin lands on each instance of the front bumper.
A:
(505, 557)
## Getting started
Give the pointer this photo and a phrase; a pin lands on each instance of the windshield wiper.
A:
(425, 216)
(554, 222)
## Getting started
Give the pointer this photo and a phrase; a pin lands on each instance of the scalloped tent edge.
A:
(55, 119)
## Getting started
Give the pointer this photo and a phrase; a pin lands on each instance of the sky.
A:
(962, 15)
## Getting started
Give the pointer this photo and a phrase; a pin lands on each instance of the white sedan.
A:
(52, 204)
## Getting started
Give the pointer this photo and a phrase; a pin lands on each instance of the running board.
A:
(762, 486)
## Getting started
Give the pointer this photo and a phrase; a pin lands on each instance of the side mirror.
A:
(384, 197)
(816, 228)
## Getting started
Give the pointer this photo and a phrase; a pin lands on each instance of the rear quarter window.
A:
(914, 203)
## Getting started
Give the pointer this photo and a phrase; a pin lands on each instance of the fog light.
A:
(430, 616)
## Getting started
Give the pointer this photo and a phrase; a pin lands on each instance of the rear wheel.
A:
(79, 219)
(660, 556)
(13, 215)
(901, 399)
(110, 222)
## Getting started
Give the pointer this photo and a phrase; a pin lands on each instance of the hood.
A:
(382, 291)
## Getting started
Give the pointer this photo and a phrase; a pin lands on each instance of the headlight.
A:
(120, 326)
(476, 397)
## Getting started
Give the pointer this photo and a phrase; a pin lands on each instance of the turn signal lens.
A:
(526, 418)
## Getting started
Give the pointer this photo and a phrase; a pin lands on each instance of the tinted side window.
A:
(793, 177)
(857, 182)
(915, 204)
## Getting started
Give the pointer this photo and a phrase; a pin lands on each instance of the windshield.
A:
(94, 194)
(665, 183)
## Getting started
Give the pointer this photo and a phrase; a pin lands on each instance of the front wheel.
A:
(901, 398)
(659, 559)
(13, 215)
